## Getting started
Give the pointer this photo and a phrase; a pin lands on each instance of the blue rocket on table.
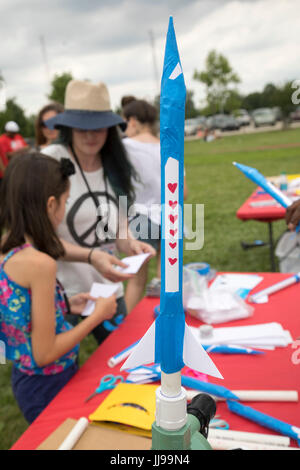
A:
(254, 175)
(169, 341)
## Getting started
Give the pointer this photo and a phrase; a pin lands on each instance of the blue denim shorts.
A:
(34, 392)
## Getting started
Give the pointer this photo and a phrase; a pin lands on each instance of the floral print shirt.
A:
(15, 324)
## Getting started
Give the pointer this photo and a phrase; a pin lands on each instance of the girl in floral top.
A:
(41, 343)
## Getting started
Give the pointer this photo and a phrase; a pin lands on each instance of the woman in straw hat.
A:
(95, 226)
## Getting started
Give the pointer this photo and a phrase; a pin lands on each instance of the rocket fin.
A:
(195, 357)
(144, 352)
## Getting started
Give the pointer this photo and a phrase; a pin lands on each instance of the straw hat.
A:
(87, 107)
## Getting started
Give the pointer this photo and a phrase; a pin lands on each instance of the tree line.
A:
(221, 95)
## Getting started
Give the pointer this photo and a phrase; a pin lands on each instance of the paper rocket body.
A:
(254, 175)
(169, 341)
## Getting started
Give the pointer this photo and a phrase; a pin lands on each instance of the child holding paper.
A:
(41, 344)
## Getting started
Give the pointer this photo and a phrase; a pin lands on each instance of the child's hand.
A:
(105, 308)
(78, 302)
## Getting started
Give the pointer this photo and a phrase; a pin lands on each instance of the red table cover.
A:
(275, 370)
(261, 213)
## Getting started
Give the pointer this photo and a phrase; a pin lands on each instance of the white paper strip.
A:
(171, 223)
(98, 290)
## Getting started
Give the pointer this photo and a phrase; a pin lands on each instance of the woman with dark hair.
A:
(95, 227)
(43, 135)
(143, 148)
(41, 343)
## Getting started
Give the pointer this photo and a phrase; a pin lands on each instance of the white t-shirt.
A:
(145, 158)
(80, 223)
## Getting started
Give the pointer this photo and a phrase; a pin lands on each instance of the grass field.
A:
(212, 181)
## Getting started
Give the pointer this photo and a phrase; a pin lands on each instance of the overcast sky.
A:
(109, 40)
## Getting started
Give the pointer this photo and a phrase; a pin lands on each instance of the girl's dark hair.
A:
(116, 165)
(29, 180)
(39, 136)
(143, 111)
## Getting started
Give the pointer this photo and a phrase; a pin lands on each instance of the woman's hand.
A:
(105, 264)
(131, 247)
(78, 302)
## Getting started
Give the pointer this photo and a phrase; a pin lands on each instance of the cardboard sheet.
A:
(96, 437)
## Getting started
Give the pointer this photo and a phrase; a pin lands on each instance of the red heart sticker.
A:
(173, 204)
(173, 218)
(172, 261)
(172, 232)
(172, 187)
(173, 245)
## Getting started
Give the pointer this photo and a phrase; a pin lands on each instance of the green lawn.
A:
(216, 183)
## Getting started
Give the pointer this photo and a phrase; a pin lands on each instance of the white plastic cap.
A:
(11, 126)
(171, 412)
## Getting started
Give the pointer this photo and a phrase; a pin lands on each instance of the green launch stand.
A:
(192, 436)
(187, 438)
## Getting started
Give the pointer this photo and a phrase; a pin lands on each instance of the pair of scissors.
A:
(106, 383)
(218, 423)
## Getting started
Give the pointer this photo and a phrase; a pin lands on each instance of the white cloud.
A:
(109, 40)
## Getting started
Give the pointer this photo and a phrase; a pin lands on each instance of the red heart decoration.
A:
(172, 232)
(172, 261)
(173, 204)
(173, 218)
(172, 187)
(172, 245)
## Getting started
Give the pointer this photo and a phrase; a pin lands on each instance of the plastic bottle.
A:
(283, 184)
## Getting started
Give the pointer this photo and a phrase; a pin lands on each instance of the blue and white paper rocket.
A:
(169, 341)
(254, 175)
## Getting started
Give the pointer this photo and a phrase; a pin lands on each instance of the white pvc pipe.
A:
(171, 384)
(275, 288)
(253, 437)
(229, 444)
(257, 395)
(171, 409)
(74, 435)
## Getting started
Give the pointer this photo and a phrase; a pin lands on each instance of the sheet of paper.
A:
(241, 284)
(99, 290)
(134, 263)
(265, 334)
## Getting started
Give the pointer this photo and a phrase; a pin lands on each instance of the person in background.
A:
(292, 216)
(41, 343)
(126, 100)
(95, 227)
(11, 142)
(3, 165)
(43, 135)
(143, 148)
